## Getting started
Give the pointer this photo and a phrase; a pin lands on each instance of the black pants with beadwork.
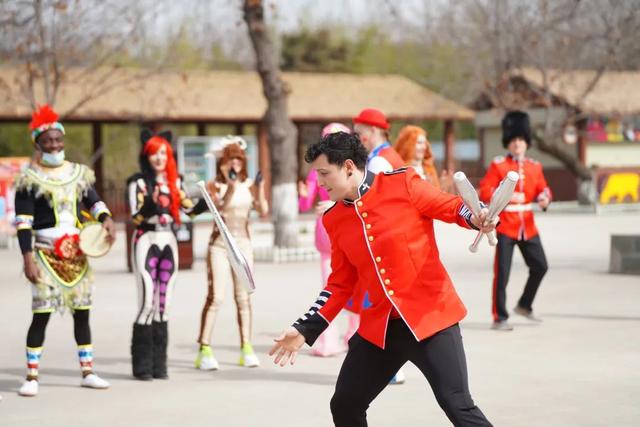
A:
(367, 370)
(535, 259)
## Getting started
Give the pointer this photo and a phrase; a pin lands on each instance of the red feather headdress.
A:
(43, 119)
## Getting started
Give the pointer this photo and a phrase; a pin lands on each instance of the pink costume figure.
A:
(329, 343)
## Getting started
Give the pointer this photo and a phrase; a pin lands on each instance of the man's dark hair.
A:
(338, 147)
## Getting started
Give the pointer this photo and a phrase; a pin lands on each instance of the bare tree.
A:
(282, 134)
(555, 38)
(59, 41)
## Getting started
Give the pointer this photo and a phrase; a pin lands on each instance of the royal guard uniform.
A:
(384, 242)
(517, 226)
(397, 262)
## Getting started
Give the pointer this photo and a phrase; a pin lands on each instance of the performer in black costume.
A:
(156, 198)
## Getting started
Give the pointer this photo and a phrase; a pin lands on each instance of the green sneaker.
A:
(247, 357)
(205, 360)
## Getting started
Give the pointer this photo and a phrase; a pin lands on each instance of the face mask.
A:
(53, 159)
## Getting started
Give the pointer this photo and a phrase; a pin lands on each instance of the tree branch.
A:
(568, 160)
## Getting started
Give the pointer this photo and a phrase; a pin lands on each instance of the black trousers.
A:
(367, 370)
(535, 259)
(81, 328)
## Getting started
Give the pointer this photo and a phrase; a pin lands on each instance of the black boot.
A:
(142, 352)
(160, 341)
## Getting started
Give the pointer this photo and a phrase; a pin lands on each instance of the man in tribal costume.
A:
(50, 194)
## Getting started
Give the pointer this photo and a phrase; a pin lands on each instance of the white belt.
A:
(46, 237)
(519, 208)
(56, 232)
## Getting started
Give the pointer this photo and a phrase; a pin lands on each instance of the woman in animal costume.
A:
(156, 199)
(414, 148)
(49, 196)
(234, 194)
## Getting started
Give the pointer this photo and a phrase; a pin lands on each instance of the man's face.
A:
(158, 160)
(332, 178)
(367, 135)
(517, 147)
(51, 141)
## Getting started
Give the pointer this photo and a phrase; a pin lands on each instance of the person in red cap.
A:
(372, 128)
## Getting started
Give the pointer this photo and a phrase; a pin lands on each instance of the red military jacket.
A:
(384, 241)
(516, 221)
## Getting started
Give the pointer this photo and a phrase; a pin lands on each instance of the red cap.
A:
(372, 117)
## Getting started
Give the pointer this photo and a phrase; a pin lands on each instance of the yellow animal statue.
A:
(619, 186)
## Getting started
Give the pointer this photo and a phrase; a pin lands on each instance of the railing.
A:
(115, 199)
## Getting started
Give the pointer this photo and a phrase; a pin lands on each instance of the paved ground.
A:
(581, 367)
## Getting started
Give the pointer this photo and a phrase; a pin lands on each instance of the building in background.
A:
(601, 124)
(203, 98)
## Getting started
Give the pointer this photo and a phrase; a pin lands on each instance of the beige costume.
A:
(219, 272)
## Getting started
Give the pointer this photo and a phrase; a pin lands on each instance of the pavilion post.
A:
(449, 142)
(97, 155)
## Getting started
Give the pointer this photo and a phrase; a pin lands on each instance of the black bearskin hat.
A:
(516, 124)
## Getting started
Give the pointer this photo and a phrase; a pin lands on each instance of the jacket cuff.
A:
(311, 328)
(98, 211)
(103, 216)
(466, 213)
(312, 323)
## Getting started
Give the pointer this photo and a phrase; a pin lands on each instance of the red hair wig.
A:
(151, 147)
(405, 145)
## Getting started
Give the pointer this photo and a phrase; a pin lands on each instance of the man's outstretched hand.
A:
(286, 346)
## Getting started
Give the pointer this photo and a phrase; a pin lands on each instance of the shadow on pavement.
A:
(592, 316)
(258, 348)
(19, 373)
(229, 371)
(258, 374)
(11, 386)
(486, 326)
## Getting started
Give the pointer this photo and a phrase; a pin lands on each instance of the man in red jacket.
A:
(382, 238)
(516, 221)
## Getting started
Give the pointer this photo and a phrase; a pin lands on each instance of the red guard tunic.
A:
(516, 221)
(384, 240)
